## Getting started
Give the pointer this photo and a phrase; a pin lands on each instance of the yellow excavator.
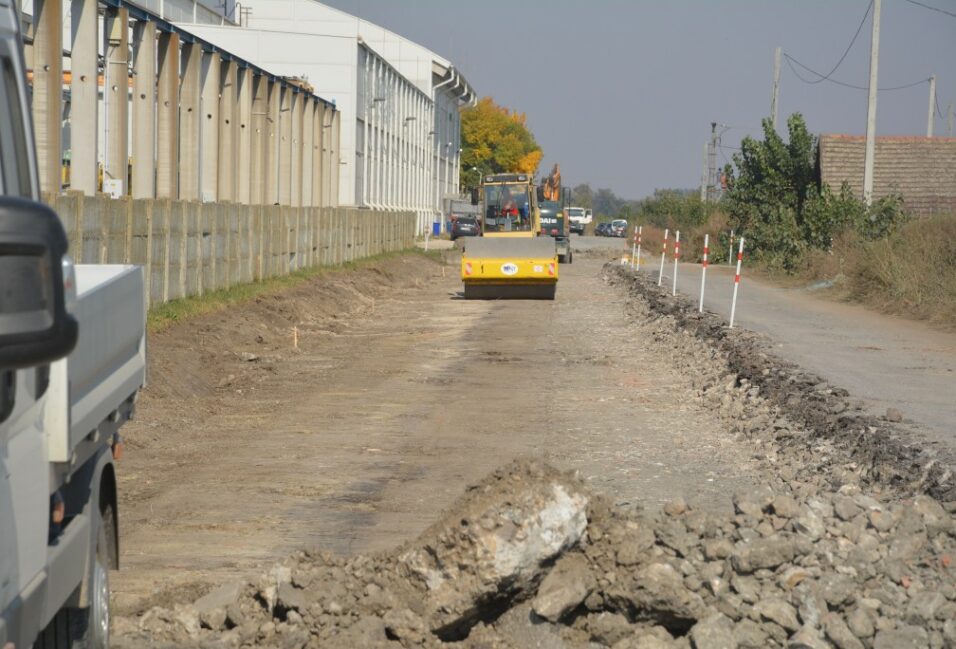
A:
(510, 260)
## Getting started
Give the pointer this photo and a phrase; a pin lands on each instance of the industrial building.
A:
(399, 102)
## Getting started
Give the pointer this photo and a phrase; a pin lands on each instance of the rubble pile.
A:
(530, 558)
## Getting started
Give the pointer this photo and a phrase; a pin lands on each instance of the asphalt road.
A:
(886, 361)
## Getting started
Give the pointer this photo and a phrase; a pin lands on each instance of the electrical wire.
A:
(859, 28)
(931, 8)
(791, 61)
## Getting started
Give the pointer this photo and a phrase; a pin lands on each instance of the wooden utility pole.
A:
(871, 107)
(776, 88)
(931, 118)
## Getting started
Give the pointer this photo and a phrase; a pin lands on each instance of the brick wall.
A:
(921, 169)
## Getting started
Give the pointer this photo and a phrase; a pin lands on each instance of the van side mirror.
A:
(474, 196)
(35, 328)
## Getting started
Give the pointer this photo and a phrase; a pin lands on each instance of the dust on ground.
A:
(399, 393)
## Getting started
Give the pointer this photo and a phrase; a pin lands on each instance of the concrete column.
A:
(144, 110)
(260, 139)
(336, 168)
(327, 145)
(317, 154)
(116, 93)
(209, 128)
(274, 142)
(308, 134)
(228, 130)
(167, 120)
(285, 145)
(189, 119)
(295, 166)
(84, 97)
(48, 92)
(245, 181)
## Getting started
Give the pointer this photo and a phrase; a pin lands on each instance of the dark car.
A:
(603, 229)
(465, 226)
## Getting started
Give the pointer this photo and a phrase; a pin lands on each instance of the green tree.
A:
(776, 199)
(495, 139)
(582, 196)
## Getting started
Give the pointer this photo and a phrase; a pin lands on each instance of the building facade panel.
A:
(399, 102)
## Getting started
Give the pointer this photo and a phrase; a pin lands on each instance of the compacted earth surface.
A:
(295, 479)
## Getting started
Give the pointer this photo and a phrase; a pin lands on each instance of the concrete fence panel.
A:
(189, 248)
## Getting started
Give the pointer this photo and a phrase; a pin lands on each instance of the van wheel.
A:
(91, 625)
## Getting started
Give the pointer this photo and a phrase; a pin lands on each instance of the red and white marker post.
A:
(676, 257)
(703, 272)
(730, 252)
(733, 304)
(660, 275)
(636, 248)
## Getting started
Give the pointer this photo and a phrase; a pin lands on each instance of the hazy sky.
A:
(621, 93)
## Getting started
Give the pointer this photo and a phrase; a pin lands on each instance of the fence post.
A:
(703, 273)
(676, 257)
(733, 304)
(660, 275)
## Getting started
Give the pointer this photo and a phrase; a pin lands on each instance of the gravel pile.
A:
(530, 558)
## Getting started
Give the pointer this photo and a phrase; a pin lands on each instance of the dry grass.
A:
(911, 273)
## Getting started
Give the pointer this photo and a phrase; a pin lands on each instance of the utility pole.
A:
(931, 119)
(776, 88)
(712, 164)
(871, 107)
(949, 120)
(703, 175)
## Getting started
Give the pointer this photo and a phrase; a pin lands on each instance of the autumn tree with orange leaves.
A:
(495, 139)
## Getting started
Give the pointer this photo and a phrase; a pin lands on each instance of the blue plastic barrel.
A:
(436, 228)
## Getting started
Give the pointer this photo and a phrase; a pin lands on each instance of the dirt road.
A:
(398, 395)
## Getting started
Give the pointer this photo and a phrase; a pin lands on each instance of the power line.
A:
(848, 47)
(931, 8)
(791, 61)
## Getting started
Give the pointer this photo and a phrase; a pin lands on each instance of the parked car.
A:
(618, 228)
(603, 229)
(465, 226)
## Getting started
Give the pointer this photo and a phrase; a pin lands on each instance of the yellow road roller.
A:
(510, 259)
